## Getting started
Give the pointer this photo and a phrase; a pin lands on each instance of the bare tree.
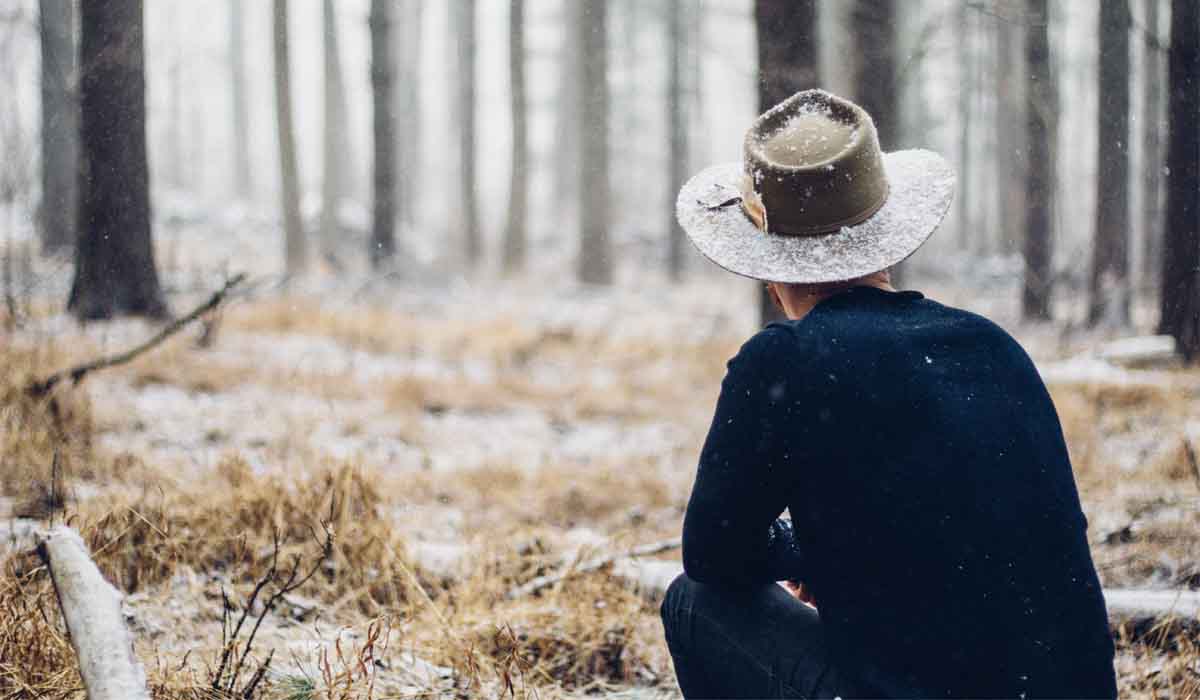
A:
(465, 33)
(787, 63)
(568, 112)
(383, 224)
(114, 258)
(518, 190)
(595, 258)
(677, 127)
(965, 57)
(60, 125)
(1041, 126)
(1011, 152)
(1153, 74)
(243, 178)
(336, 149)
(1109, 289)
(407, 56)
(1180, 300)
(295, 247)
(873, 25)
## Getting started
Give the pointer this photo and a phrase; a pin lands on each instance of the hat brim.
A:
(921, 188)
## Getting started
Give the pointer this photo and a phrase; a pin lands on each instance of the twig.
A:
(76, 374)
(542, 582)
(1190, 453)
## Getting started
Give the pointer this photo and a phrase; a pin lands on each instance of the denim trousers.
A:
(758, 642)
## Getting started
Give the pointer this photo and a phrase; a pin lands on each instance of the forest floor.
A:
(425, 451)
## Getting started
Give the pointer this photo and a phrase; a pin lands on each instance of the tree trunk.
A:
(518, 190)
(1041, 126)
(966, 56)
(595, 257)
(1180, 301)
(787, 63)
(243, 178)
(407, 58)
(677, 125)
(465, 32)
(60, 125)
(295, 248)
(1108, 299)
(114, 258)
(336, 149)
(1152, 155)
(175, 157)
(1011, 160)
(383, 223)
(566, 129)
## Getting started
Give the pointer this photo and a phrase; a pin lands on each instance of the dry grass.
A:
(176, 541)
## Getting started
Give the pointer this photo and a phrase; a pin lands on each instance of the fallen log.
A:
(92, 610)
(542, 582)
(1155, 617)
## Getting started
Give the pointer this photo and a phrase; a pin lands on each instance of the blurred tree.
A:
(1011, 160)
(787, 63)
(464, 31)
(1109, 291)
(677, 127)
(295, 247)
(336, 147)
(60, 125)
(243, 179)
(114, 258)
(964, 36)
(407, 57)
(175, 149)
(1153, 74)
(1041, 127)
(383, 222)
(518, 190)
(566, 116)
(1180, 301)
(595, 259)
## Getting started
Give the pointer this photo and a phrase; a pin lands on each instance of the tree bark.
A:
(1152, 153)
(1041, 126)
(1109, 284)
(1180, 298)
(114, 258)
(677, 126)
(595, 257)
(243, 178)
(295, 247)
(336, 147)
(60, 125)
(788, 62)
(465, 32)
(518, 190)
(383, 235)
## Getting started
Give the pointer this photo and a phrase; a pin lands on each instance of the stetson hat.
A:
(815, 198)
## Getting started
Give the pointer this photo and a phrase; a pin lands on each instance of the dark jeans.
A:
(753, 643)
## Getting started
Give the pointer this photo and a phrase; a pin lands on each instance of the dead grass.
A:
(178, 541)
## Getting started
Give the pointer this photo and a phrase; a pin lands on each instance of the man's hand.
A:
(800, 592)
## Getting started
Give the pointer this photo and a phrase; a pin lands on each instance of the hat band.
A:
(756, 211)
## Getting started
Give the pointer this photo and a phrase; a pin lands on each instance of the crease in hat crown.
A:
(813, 165)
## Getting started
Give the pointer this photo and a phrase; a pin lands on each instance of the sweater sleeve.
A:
(732, 533)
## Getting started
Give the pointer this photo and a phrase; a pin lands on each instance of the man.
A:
(936, 526)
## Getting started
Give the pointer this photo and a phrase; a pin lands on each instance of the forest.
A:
(353, 349)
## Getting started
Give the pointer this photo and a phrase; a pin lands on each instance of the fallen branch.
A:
(1154, 617)
(76, 374)
(542, 582)
(92, 610)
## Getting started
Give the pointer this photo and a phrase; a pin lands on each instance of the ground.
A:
(421, 451)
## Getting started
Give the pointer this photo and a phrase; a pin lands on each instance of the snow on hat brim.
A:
(921, 188)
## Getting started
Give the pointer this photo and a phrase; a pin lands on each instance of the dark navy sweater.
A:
(934, 511)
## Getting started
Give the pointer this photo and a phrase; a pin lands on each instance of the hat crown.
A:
(815, 165)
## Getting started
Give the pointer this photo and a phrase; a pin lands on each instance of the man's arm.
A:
(732, 534)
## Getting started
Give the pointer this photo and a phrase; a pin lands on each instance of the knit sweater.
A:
(934, 511)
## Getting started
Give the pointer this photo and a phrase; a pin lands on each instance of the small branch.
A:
(542, 582)
(1190, 453)
(76, 374)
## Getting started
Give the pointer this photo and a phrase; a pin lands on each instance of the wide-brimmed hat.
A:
(816, 199)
